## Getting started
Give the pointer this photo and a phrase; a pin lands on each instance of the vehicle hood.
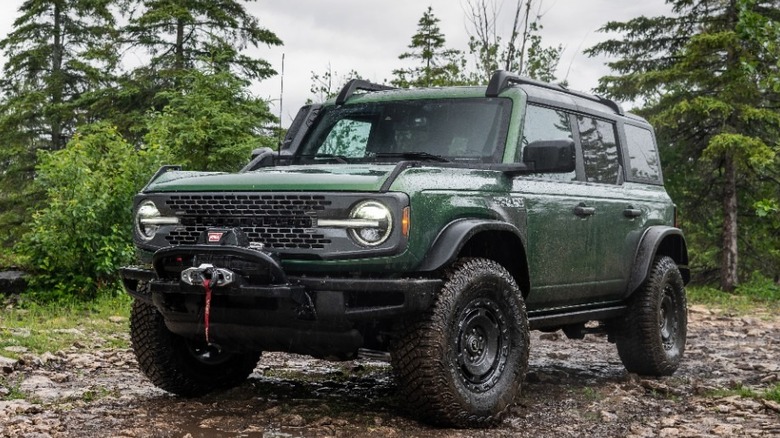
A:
(342, 177)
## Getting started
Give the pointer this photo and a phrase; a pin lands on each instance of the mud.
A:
(573, 388)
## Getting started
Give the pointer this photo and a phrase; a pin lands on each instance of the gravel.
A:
(573, 388)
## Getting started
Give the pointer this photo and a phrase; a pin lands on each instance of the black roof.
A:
(501, 80)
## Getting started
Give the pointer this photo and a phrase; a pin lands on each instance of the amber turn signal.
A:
(405, 224)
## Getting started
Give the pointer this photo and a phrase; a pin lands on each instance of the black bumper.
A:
(273, 312)
(330, 296)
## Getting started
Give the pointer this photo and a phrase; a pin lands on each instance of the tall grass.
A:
(40, 326)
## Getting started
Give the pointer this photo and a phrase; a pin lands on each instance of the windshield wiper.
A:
(338, 158)
(425, 156)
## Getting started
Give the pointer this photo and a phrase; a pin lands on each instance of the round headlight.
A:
(380, 223)
(147, 210)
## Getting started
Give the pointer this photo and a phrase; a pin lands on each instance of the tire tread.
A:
(424, 375)
(161, 358)
(637, 338)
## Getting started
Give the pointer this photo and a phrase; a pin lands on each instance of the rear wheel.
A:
(463, 362)
(181, 366)
(651, 337)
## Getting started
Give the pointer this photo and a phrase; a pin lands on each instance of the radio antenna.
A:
(281, 97)
(281, 107)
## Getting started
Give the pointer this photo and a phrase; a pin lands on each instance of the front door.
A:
(558, 230)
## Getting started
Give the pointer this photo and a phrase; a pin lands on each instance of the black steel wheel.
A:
(462, 363)
(181, 366)
(651, 337)
(482, 341)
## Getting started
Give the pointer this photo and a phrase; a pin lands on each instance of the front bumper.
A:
(268, 310)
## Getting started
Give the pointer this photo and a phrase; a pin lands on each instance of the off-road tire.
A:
(463, 362)
(651, 337)
(180, 366)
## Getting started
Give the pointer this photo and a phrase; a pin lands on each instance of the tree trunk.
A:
(728, 256)
(511, 50)
(57, 82)
(179, 57)
(521, 65)
(728, 263)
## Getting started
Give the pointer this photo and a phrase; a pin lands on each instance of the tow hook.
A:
(198, 276)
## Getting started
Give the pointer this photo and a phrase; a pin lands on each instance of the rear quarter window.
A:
(642, 154)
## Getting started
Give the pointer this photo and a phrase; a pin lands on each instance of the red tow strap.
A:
(207, 311)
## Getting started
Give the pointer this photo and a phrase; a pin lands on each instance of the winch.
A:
(208, 276)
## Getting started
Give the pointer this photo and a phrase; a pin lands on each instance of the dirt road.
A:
(573, 388)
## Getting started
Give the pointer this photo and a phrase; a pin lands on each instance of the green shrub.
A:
(773, 393)
(760, 288)
(84, 232)
(759, 291)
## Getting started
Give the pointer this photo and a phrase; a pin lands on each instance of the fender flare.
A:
(451, 240)
(670, 241)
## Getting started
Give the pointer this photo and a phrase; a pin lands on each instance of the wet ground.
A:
(573, 388)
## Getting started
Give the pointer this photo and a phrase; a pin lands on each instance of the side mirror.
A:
(550, 156)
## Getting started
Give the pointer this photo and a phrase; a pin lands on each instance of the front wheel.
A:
(651, 337)
(463, 362)
(181, 366)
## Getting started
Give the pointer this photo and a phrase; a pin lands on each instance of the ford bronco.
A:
(437, 226)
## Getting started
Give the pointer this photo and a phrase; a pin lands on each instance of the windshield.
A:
(433, 130)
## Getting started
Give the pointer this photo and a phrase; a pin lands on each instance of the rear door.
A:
(618, 215)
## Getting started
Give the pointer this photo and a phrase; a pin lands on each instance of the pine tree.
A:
(57, 52)
(708, 76)
(437, 64)
(214, 124)
(181, 35)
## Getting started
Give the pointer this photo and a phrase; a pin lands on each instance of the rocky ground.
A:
(573, 388)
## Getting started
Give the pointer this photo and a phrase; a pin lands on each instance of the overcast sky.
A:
(368, 35)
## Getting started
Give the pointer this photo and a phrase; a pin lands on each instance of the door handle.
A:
(584, 211)
(632, 212)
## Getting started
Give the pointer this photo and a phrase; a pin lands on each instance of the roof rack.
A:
(501, 79)
(358, 84)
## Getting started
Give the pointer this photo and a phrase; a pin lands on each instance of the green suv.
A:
(436, 225)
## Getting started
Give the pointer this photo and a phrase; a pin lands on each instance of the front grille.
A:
(276, 221)
(248, 205)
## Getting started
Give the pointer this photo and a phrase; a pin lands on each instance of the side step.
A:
(575, 317)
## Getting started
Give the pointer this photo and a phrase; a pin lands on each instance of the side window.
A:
(347, 138)
(599, 149)
(642, 154)
(543, 124)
